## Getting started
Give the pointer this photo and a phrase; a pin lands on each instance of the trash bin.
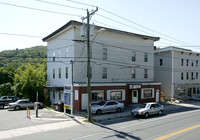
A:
(55, 106)
(58, 106)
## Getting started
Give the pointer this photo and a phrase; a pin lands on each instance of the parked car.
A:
(23, 104)
(147, 109)
(5, 100)
(107, 106)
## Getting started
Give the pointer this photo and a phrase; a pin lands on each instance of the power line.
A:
(81, 3)
(61, 5)
(36, 9)
(142, 26)
(132, 23)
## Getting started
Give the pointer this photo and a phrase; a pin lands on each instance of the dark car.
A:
(5, 100)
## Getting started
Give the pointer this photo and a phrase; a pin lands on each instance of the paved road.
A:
(182, 123)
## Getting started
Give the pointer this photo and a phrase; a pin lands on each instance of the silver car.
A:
(107, 106)
(147, 109)
(23, 104)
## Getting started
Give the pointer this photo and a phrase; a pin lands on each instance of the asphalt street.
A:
(181, 123)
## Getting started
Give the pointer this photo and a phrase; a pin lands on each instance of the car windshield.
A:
(143, 105)
(101, 103)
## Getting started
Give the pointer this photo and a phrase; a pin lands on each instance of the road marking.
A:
(177, 132)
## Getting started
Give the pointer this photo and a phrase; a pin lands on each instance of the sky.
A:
(24, 23)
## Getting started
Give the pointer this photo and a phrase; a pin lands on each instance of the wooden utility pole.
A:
(88, 63)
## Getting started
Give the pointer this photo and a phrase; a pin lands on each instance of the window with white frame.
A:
(161, 62)
(197, 62)
(145, 57)
(66, 72)
(59, 74)
(53, 73)
(104, 53)
(181, 75)
(192, 63)
(104, 76)
(145, 73)
(192, 75)
(133, 73)
(182, 62)
(116, 95)
(187, 62)
(133, 56)
(97, 95)
(147, 93)
(187, 75)
(197, 75)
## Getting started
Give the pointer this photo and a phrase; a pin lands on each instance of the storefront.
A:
(126, 93)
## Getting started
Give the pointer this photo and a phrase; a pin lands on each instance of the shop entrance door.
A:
(134, 96)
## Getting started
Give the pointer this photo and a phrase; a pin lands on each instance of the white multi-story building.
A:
(179, 71)
(122, 65)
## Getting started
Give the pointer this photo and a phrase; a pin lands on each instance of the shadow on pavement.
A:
(170, 109)
(117, 133)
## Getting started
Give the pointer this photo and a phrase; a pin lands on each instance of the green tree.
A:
(7, 74)
(30, 79)
(6, 89)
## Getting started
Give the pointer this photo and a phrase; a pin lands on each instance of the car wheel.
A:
(159, 112)
(146, 115)
(99, 112)
(17, 108)
(1, 106)
(118, 110)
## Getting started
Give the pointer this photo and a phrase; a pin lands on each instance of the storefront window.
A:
(116, 95)
(148, 93)
(97, 95)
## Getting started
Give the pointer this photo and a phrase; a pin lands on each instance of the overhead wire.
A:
(173, 39)
(36, 9)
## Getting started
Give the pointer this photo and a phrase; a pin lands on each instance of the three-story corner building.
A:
(122, 65)
(179, 71)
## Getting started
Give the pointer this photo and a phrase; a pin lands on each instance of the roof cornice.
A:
(76, 23)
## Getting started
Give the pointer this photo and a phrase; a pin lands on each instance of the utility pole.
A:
(88, 62)
(72, 95)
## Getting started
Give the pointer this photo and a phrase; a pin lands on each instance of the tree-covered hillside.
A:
(23, 72)
(17, 57)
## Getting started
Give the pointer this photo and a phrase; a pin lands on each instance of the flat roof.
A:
(76, 23)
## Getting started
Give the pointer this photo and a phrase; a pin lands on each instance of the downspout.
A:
(172, 82)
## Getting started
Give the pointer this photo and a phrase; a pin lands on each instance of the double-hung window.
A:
(133, 56)
(145, 57)
(161, 62)
(181, 75)
(104, 76)
(66, 72)
(59, 75)
(53, 73)
(104, 53)
(145, 73)
(133, 73)
(182, 62)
